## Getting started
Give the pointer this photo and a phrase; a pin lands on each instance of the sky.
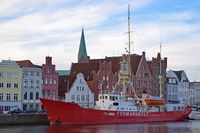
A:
(34, 29)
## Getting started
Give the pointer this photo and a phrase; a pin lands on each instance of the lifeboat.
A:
(153, 102)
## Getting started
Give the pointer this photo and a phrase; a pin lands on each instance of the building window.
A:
(25, 83)
(37, 107)
(37, 96)
(78, 98)
(24, 107)
(50, 71)
(87, 97)
(77, 88)
(146, 75)
(31, 106)
(170, 96)
(31, 95)
(73, 98)
(31, 83)
(8, 97)
(48, 93)
(145, 83)
(15, 97)
(46, 81)
(43, 93)
(26, 73)
(82, 98)
(25, 96)
(1, 96)
(50, 81)
(8, 85)
(1, 74)
(1, 85)
(37, 83)
(16, 85)
(139, 82)
(32, 73)
(37, 73)
(55, 82)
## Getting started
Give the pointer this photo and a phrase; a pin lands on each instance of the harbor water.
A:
(188, 126)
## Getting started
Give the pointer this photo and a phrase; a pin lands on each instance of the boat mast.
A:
(125, 69)
(129, 42)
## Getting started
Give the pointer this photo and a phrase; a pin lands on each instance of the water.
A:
(192, 126)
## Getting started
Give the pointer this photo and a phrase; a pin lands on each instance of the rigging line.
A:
(115, 36)
(138, 37)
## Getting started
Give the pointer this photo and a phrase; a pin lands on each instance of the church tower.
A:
(82, 53)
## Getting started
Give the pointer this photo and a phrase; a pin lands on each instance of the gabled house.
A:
(80, 93)
(182, 85)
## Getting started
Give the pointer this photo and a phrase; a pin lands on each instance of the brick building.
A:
(102, 74)
(50, 79)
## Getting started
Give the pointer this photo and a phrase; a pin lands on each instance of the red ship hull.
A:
(70, 113)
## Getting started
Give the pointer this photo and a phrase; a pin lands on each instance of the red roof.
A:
(65, 82)
(135, 61)
(25, 63)
(85, 68)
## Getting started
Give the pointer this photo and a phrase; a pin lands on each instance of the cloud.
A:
(34, 29)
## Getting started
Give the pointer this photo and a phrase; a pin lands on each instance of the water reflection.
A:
(175, 127)
(170, 127)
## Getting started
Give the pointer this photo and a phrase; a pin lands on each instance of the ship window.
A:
(174, 108)
(116, 104)
(112, 98)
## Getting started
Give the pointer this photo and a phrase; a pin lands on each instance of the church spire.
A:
(82, 53)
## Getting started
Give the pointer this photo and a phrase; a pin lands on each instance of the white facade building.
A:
(31, 85)
(32, 81)
(80, 93)
(195, 86)
(183, 91)
(172, 89)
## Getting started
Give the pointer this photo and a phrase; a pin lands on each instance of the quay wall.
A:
(23, 119)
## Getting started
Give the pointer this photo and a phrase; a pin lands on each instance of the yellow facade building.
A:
(10, 85)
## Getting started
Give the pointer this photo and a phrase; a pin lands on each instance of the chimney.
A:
(143, 53)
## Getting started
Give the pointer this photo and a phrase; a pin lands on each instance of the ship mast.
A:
(125, 67)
